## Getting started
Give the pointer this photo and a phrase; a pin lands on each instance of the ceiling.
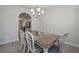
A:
(45, 7)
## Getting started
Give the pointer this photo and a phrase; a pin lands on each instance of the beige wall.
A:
(57, 19)
(9, 22)
(61, 19)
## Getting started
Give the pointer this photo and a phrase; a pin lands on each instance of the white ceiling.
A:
(46, 7)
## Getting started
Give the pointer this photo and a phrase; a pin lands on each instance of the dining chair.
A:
(62, 41)
(32, 47)
(59, 48)
(23, 42)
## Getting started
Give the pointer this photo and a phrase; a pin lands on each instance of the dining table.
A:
(45, 40)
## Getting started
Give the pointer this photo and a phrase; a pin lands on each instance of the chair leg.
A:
(21, 46)
(24, 49)
(27, 51)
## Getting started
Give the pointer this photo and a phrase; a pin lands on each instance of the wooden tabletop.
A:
(46, 40)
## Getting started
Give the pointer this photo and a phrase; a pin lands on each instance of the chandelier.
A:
(37, 12)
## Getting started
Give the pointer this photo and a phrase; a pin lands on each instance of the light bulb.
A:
(32, 10)
(39, 13)
(38, 9)
(42, 12)
(33, 13)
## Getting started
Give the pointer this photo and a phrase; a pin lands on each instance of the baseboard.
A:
(8, 41)
(72, 44)
(18, 39)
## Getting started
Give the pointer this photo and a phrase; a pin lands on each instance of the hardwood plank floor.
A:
(70, 49)
(13, 47)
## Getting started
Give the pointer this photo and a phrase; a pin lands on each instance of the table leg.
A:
(45, 50)
(59, 46)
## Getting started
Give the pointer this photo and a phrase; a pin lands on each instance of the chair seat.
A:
(38, 49)
(53, 49)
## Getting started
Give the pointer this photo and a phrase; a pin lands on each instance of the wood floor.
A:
(70, 49)
(14, 48)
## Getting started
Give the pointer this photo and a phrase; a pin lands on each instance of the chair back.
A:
(30, 40)
(22, 37)
(62, 40)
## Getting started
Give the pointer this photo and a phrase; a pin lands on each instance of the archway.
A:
(24, 21)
